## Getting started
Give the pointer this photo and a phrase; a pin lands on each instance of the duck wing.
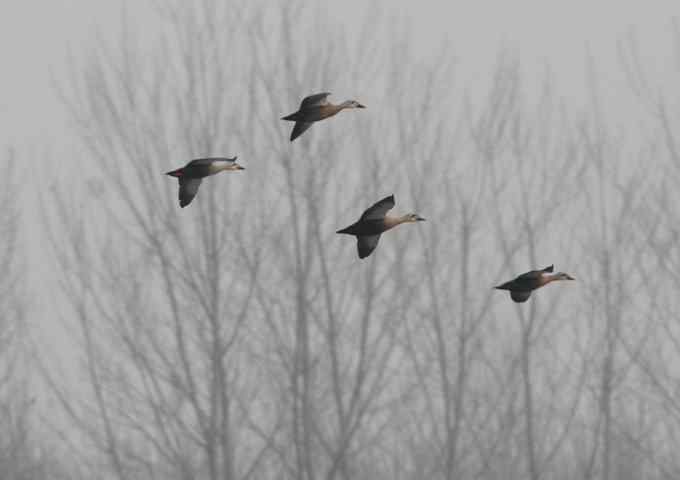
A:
(366, 245)
(315, 100)
(299, 129)
(532, 279)
(520, 296)
(378, 210)
(528, 277)
(524, 282)
(209, 161)
(188, 188)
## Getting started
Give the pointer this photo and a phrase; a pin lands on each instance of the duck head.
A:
(351, 104)
(553, 277)
(412, 218)
(232, 165)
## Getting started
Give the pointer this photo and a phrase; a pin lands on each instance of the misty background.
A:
(241, 338)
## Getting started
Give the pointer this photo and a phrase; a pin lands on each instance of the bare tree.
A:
(171, 311)
(23, 454)
(652, 347)
(240, 338)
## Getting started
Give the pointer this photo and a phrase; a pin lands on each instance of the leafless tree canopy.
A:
(241, 338)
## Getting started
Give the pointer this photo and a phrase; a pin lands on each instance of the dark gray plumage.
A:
(191, 175)
(314, 108)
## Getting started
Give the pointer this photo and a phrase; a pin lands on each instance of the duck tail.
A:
(291, 118)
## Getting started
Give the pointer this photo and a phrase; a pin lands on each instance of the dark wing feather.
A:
(209, 161)
(299, 129)
(525, 282)
(532, 275)
(366, 245)
(520, 296)
(532, 278)
(188, 188)
(315, 100)
(378, 210)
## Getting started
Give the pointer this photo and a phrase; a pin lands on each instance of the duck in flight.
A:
(521, 287)
(314, 108)
(191, 175)
(374, 222)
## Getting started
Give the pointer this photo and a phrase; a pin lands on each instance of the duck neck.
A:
(332, 109)
(228, 166)
(391, 222)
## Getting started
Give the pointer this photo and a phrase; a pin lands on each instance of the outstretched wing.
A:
(520, 296)
(530, 279)
(299, 129)
(188, 188)
(210, 160)
(366, 245)
(315, 100)
(534, 274)
(378, 210)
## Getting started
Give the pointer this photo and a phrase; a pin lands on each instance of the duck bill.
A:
(420, 219)
(175, 173)
(359, 105)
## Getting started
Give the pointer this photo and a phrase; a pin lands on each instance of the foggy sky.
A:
(36, 38)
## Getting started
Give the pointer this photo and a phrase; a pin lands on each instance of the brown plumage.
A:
(313, 109)
(191, 175)
(373, 223)
(521, 287)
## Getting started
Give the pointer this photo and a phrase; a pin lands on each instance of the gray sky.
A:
(36, 37)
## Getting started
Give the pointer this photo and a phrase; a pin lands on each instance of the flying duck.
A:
(374, 222)
(314, 108)
(521, 287)
(191, 175)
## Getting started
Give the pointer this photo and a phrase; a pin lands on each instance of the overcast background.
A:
(37, 38)
(46, 47)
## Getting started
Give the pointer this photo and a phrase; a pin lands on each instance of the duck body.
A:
(375, 222)
(204, 167)
(366, 227)
(314, 113)
(191, 175)
(520, 288)
(313, 109)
